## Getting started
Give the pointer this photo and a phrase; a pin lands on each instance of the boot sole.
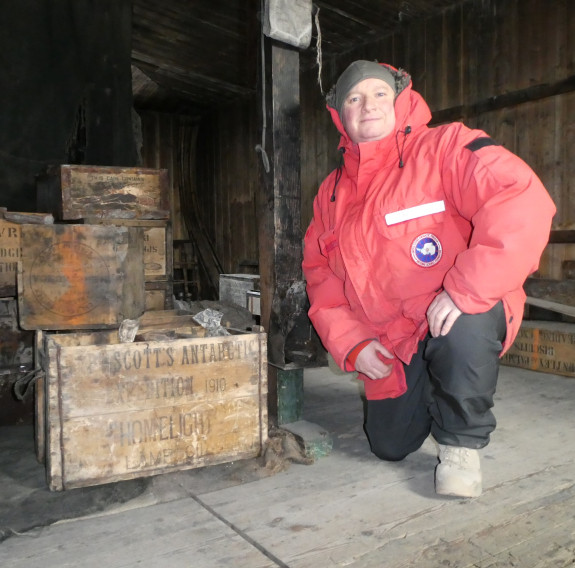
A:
(470, 493)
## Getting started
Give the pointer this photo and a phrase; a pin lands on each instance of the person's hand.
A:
(442, 314)
(370, 363)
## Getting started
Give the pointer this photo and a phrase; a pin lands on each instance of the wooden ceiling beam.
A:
(188, 77)
(345, 14)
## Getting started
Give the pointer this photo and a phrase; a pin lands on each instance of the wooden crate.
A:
(16, 345)
(158, 253)
(117, 411)
(39, 399)
(10, 245)
(72, 192)
(80, 276)
(234, 288)
(174, 321)
(544, 346)
(9, 256)
(159, 295)
(158, 245)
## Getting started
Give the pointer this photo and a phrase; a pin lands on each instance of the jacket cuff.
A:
(352, 355)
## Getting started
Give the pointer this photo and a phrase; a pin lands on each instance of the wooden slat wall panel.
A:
(543, 134)
(554, 259)
(501, 125)
(319, 137)
(566, 199)
(173, 33)
(160, 133)
(416, 57)
(452, 54)
(228, 178)
(225, 181)
(437, 75)
(506, 39)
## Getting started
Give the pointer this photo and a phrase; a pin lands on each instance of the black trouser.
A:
(451, 381)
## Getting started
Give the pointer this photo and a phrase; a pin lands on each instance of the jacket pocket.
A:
(419, 252)
(329, 246)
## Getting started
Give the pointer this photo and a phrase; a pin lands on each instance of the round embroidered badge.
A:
(426, 250)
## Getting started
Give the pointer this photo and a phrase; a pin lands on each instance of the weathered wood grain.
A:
(158, 245)
(159, 295)
(72, 192)
(128, 410)
(349, 508)
(80, 276)
(10, 250)
(548, 347)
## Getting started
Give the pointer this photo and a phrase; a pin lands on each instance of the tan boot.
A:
(459, 472)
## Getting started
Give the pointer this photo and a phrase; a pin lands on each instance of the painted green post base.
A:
(285, 404)
(315, 440)
(285, 393)
(290, 395)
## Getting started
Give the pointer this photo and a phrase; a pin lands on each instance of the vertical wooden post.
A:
(280, 237)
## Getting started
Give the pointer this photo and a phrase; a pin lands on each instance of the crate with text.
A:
(9, 256)
(10, 249)
(158, 245)
(118, 411)
(544, 346)
(80, 276)
(73, 192)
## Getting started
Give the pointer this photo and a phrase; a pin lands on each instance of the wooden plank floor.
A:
(349, 508)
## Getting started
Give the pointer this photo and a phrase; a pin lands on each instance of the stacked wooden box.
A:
(544, 346)
(115, 196)
(171, 400)
(109, 407)
(79, 276)
(16, 344)
(9, 255)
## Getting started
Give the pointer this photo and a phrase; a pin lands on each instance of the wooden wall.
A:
(505, 66)
(213, 169)
(162, 141)
(227, 183)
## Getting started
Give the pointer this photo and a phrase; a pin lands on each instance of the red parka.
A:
(419, 211)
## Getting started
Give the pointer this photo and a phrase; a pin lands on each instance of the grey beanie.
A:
(358, 71)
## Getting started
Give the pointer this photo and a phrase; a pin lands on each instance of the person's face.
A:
(368, 112)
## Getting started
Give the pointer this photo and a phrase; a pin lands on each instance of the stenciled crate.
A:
(73, 192)
(544, 346)
(80, 276)
(9, 256)
(158, 245)
(159, 295)
(10, 245)
(117, 411)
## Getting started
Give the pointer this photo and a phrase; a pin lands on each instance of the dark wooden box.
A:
(72, 192)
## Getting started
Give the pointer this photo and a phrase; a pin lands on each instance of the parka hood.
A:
(410, 107)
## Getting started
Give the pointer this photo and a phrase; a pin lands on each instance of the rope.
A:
(22, 385)
(262, 147)
(318, 49)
